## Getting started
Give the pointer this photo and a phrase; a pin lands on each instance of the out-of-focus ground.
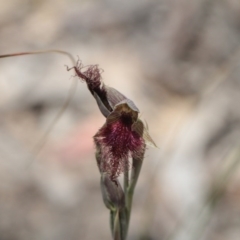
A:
(178, 60)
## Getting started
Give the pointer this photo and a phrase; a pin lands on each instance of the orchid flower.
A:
(122, 137)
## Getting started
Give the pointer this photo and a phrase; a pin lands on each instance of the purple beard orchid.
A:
(123, 135)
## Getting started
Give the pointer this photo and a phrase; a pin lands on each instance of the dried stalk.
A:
(43, 139)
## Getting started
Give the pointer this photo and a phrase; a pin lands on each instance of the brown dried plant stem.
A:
(42, 141)
(40, 52)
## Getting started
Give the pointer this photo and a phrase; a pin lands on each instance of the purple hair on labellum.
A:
(118, 143)
(118, 140)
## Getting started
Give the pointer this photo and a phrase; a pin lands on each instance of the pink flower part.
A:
(117, 143)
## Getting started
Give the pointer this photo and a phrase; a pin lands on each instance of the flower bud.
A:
(112, 192)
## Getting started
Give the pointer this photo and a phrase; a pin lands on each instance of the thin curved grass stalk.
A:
(39, 52)
(42, 141)
(120, 216)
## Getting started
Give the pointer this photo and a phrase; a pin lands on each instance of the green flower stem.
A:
(120, 213)
(126, 180)
(124, 214)
(112, 217)
(136, 168)
(123, 223)
(134, 177)
(116, 227)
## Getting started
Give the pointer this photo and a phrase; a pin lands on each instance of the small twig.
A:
(42, 141)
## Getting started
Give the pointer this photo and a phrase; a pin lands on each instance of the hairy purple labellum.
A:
(118, 142)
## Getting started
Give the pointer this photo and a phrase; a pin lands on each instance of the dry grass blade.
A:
(42, 141)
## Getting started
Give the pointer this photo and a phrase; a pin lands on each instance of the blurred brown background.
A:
(178, 60)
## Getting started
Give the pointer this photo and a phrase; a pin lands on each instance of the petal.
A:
(101, 106)
(126, 106)
(114, 96)
(130, 105)
(139, 127)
